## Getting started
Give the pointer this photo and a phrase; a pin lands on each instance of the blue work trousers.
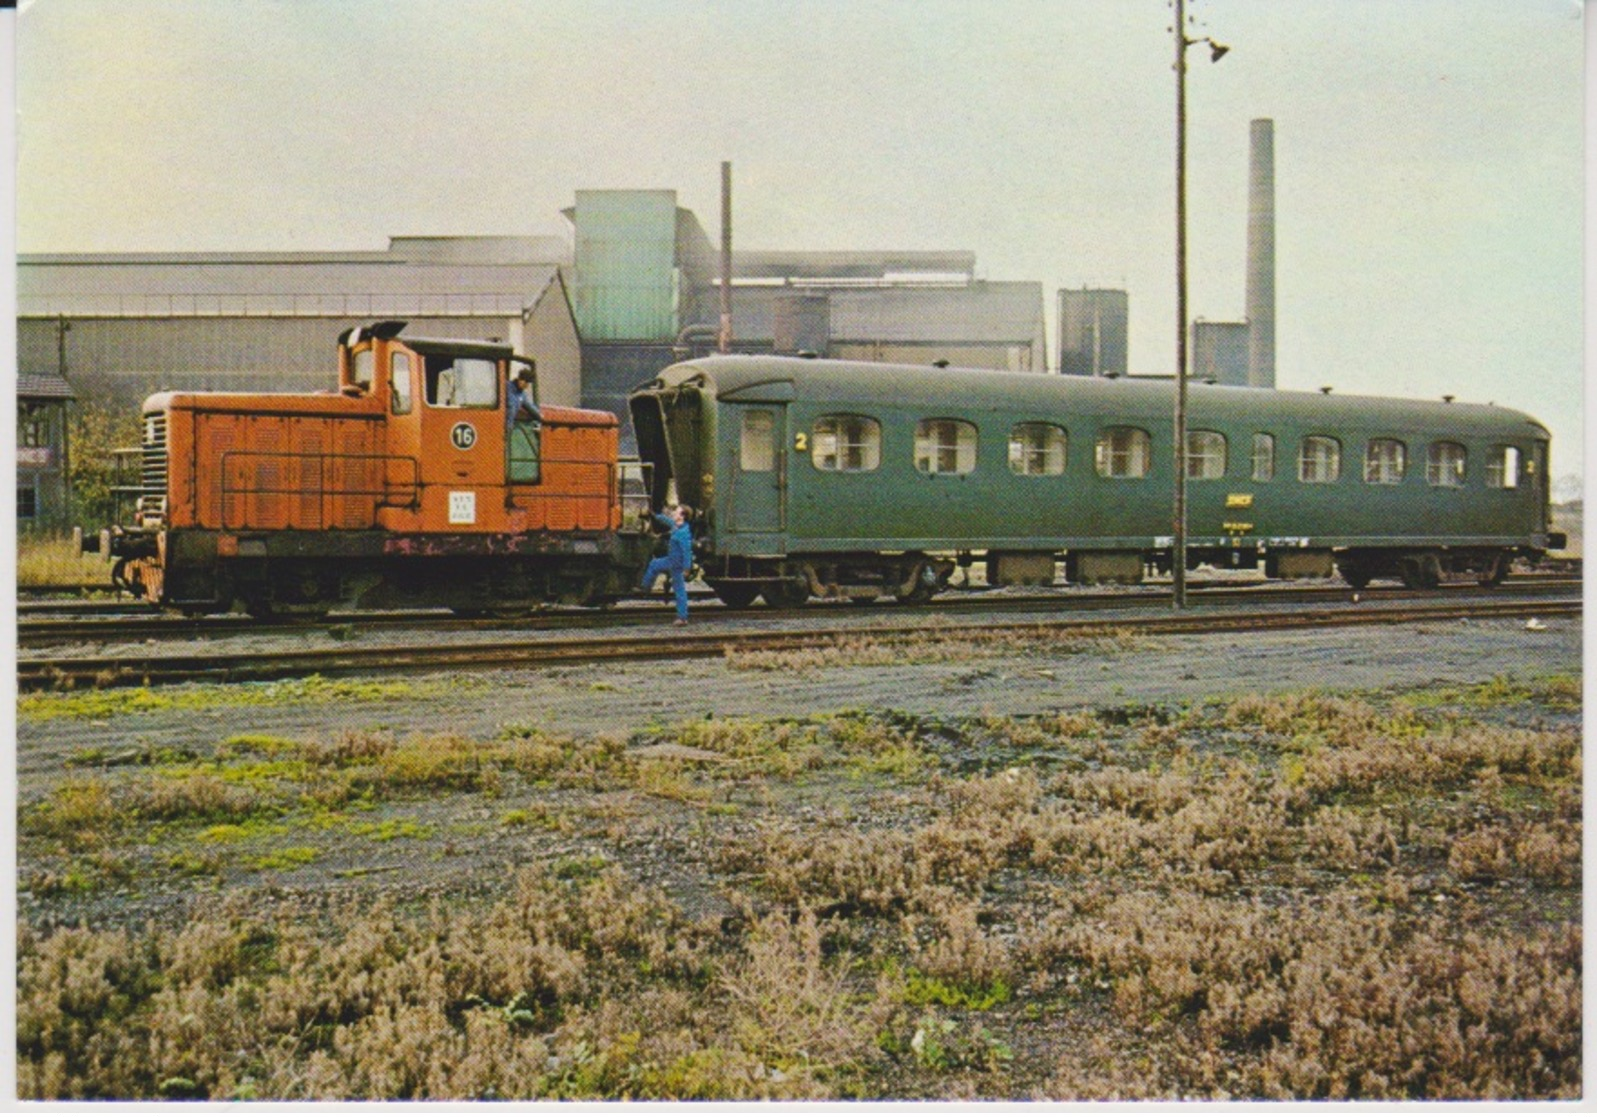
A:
(679, 582)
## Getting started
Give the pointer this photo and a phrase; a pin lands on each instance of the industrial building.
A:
(906, 307)
(1220, 352)
(635, 288)
(647, 292)
(1093, 332)
(120, 327)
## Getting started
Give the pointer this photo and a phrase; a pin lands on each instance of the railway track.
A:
(540, 649)
(109, 622)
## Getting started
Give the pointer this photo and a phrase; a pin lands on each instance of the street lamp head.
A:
(1217, 51)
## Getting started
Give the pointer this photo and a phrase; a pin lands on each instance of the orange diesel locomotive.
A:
(406, 486)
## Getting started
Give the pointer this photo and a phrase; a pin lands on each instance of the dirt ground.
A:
(641, 701)
(667, 804)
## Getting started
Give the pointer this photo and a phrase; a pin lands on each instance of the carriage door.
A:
(1543, 486)
(755, 506)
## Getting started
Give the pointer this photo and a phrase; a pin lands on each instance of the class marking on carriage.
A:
(463, 507)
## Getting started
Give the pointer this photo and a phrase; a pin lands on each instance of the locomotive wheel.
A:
(736, 595)
(786, 595)
(259, 607)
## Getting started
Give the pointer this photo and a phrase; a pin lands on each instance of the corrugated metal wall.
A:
(127, 358)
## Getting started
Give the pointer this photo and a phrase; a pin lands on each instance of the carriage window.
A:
(1320, 460)
(1444, 466)
(846, 444)
(1037, 448)
(758, 454)
(462, 382)
(1206, 456)
(399, 383)
(1502, 468)
(945, 446)
(361, 371)
(1385, 461)
(1123, 452)
(1263, 457)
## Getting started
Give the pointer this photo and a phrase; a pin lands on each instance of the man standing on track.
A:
(677, 559)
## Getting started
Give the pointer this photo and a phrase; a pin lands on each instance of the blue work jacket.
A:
(679, 550)
(515, 400)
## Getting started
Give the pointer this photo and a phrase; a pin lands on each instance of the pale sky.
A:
(1429, 153)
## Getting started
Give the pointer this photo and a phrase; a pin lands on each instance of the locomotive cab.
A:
(446, 405)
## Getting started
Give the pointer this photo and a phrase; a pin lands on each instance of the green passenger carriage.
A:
(856, 479)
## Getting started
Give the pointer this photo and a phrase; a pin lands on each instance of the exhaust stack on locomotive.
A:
(408, 485)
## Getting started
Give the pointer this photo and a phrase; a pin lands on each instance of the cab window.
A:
(462, 382)
(362, 368)
(399, 383)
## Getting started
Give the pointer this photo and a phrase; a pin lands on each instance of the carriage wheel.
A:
(736, 595)
(786, 594)
(1422, 572)
(1495, 572)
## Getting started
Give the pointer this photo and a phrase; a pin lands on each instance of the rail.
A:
(144, 666)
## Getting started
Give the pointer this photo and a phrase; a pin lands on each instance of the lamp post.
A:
(1178, 556)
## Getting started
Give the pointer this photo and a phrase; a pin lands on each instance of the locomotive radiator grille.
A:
(150, 507)
(152, 474)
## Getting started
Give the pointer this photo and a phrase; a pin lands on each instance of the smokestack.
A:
(724, 340)
(1261, 255)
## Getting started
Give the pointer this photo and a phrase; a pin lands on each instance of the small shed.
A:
(42, 487)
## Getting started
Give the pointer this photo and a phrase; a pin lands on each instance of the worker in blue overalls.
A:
(678, 557)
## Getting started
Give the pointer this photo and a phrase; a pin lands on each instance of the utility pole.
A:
(1178, 452)
(1178, 515)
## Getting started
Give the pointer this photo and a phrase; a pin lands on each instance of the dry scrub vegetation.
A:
(1311, 896)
